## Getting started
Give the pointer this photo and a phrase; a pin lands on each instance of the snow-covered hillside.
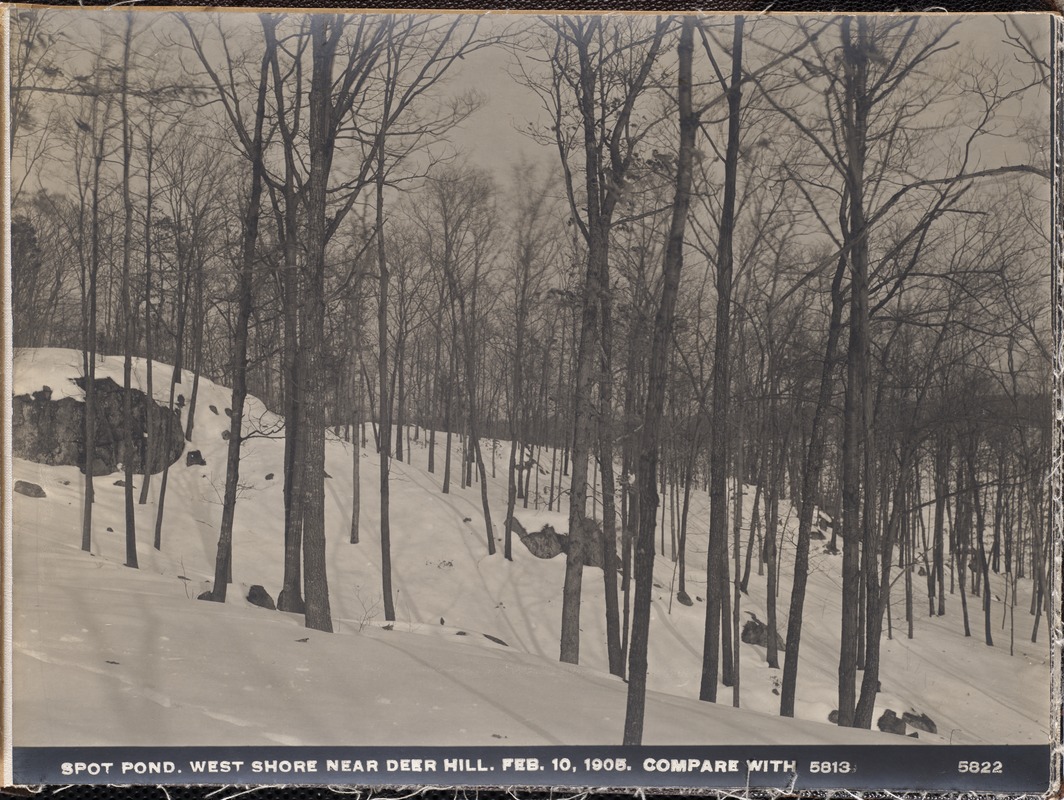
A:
(104, 654)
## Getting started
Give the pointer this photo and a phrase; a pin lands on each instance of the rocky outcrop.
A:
(544, 543)
(49, 431)
(548, 543)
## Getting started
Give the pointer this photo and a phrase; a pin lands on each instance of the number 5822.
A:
(980, 767)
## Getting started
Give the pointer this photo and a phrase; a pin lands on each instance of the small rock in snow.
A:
(194, 459)
(890, 723)
(258, 596)
(269, 476)
(213, 409)
(29, 489)
(920, 721)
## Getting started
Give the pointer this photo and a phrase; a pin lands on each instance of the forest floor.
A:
(104, 654)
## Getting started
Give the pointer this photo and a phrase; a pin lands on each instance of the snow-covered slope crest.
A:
(105, 654)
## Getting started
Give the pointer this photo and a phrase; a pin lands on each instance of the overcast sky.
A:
(491, 138)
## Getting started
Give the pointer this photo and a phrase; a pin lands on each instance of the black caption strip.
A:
(1009, 768)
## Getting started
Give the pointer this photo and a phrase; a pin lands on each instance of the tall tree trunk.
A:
(685, 507)
(127, 310)
(776, 460)
(863, 712)
(855, 55)
(814, 459)
(941, 486)
(999, 491)
(385, 444)
(290, 597)
(474, 437)
(963, 525)
(197, 345)
(356, 420)
(609, 513)
(980, 524)
(150, 413)
(718, 448)
(755, 531)
(511, 479)
(434, 405)
(909, 558)
(89, 355)
(175, 379)
(656, 386)
(400, 401)
(467, 323)
(447, 407)
(324, 34)
(224, 559)
(737, 526)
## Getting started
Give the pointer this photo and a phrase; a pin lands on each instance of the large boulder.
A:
(49, 431)
(756, 632)
(547, 543)
(544, 543)
(591, 543)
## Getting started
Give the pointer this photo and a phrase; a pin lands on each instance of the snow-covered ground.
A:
(104, 654)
